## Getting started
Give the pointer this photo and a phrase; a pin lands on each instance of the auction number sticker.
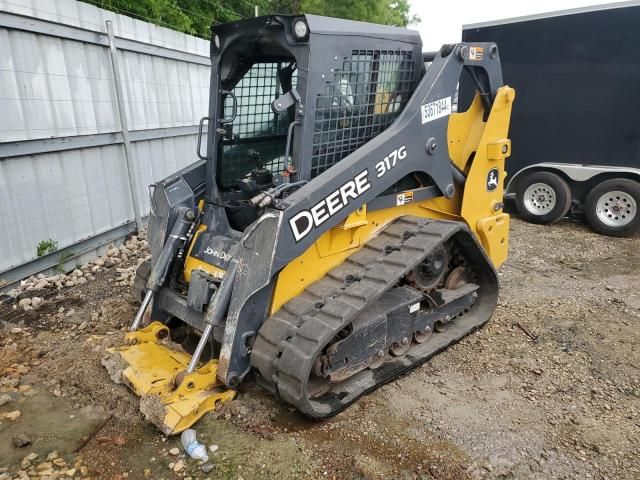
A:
(434, 110)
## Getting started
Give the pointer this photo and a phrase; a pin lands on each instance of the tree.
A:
(196, 16)
(165, 13)
(387, 12)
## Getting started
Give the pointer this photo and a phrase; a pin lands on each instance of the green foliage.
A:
(63, 258)
(196, 16)
(162, 12)
(46, 246)
(387, 12)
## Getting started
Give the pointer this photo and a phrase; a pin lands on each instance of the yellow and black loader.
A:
(344, 225)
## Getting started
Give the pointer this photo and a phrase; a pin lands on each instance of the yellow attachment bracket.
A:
(154, 369)
(153, 333)
(494, 235)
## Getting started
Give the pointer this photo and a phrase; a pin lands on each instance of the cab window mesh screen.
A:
(364, 98)
(256, 127)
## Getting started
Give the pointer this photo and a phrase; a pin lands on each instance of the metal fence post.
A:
(123, 123)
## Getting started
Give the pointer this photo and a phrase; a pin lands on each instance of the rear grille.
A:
(363, 99)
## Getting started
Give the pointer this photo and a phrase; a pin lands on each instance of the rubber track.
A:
(289, 341)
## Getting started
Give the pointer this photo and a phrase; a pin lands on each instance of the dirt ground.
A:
(550, 388)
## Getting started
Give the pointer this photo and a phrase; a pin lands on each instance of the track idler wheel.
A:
(422, 336)
(376, 360)
(429, 273)
(442, 326)
(398, 349)
(457, 278)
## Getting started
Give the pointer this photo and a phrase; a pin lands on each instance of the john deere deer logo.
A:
(492, 179)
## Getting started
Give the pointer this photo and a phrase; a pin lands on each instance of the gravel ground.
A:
(550, 388)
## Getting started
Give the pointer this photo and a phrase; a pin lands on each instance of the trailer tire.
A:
(542, 197)
(612, 207)
(140, 281)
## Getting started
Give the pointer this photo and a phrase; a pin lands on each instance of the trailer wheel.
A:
(612, 207)
(140, 281)
(543, 197)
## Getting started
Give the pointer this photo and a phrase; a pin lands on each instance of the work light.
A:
(300, 29)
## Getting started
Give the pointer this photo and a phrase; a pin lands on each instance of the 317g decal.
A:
(303, 222)
(390, 161)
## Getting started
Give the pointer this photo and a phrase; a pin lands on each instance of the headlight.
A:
(300, 29)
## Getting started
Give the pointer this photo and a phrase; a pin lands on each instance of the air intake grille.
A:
(363, 99)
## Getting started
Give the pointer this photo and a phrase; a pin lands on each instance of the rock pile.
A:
(54, 466)
(33, 291)
(127, 275)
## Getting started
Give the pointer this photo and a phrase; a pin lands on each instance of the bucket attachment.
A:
(155, 370)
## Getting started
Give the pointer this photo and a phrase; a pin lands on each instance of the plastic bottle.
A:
(192, 447)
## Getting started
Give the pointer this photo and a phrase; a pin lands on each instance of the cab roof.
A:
(320, 25)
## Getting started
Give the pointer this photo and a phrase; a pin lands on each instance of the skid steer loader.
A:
(343, 227)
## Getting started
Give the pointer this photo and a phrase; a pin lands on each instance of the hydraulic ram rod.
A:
(163, 265)
(215, 312)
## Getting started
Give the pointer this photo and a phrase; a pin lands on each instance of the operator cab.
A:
(286, 112)
(252, 150)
